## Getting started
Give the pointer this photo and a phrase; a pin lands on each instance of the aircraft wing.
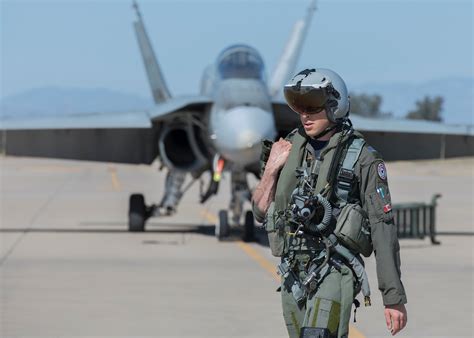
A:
(110, 137)
(406, 126)
(126, 137)
(286, 120)
(195, 104)
(131, 119)
(138, 119)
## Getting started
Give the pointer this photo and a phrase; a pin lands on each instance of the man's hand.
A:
(395, 317)
(264, 193)
(278, 155)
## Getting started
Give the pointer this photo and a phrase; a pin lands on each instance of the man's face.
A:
(315, 123)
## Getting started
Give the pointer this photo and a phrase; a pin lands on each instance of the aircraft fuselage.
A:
(241, 115)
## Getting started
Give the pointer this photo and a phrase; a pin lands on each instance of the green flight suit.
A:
(328, 307)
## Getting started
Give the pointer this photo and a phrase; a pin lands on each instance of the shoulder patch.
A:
(382, 171)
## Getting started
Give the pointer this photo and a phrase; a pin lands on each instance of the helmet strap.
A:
(325, 131)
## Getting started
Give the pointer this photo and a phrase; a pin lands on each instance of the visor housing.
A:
(306, 99)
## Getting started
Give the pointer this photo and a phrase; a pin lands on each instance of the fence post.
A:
(433, 205)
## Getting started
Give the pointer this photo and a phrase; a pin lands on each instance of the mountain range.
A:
(398, 98)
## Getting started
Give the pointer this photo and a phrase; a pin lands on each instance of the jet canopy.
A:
(241, 62)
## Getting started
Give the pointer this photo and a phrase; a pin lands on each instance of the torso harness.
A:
(311, 213)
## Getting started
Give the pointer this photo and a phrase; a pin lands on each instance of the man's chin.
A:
(311, 133)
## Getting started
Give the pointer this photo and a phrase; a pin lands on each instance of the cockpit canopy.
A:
(241, 62)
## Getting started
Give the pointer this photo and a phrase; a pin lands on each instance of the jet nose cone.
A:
(239, 132)
(247, 138)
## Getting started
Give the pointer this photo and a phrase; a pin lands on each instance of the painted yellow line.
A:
(114, 178)
(209, 216)
(354, 333)
(255, 255)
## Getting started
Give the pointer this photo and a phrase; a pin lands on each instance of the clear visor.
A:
(306, 100)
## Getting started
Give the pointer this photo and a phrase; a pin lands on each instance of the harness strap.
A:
(346, 175)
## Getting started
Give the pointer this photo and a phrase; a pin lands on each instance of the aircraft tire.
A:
(249, 227)
(223, 228)
(136, 213)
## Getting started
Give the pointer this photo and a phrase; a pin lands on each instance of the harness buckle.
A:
(345, 179)
(345, 175)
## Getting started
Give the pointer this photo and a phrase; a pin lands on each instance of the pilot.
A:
(324, 200)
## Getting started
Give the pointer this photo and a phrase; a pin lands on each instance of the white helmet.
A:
(313, 90)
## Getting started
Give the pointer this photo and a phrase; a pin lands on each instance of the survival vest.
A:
(335, 169)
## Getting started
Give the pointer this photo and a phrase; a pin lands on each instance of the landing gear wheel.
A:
(137, 213)
(249, 227)
(222, 229)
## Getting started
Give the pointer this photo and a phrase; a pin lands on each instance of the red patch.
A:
(387, 208)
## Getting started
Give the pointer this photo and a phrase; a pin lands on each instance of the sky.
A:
(91, 44)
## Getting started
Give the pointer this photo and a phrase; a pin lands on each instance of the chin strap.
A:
(345, 125)
(325, 131)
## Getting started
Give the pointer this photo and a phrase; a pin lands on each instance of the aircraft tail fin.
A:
(156, 80)
(288, 59)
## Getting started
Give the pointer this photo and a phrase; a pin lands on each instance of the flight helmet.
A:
(312, 90)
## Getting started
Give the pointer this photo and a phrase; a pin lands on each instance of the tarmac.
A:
(70, 268)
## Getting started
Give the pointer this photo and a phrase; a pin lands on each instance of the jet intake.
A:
(181, 147)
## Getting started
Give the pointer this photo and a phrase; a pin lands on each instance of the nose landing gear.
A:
(249, 227)
(240, 194)
(223, 227)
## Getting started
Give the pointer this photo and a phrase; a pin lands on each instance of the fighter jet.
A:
(219, 130)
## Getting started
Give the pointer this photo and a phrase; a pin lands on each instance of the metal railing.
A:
(416, 220)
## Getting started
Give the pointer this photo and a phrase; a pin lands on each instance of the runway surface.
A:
(69, 268)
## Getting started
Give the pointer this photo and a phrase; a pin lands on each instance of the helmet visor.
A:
(305, 100)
